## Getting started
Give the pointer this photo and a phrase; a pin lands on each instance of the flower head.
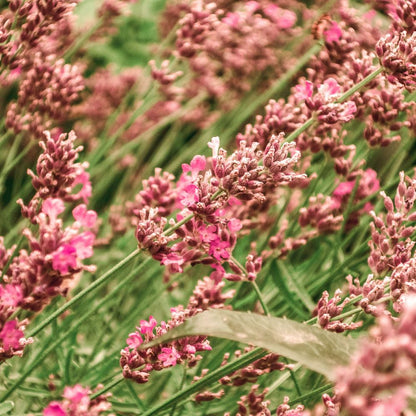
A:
(10, 335)
(168, 356)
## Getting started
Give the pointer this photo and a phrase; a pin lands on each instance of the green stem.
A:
(45, 352)
(361, 84)
(122, 129)
(135, 397)
(260, 298)
(117, 380)
(306, 396)
(183, 379)
(9, 159)
(9, 166)
(5, 137)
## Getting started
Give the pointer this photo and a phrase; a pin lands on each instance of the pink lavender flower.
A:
(45, 96)
(169, 356)
(219, 249)
(10, 295)
(303, 91)
(379, 376)
(232, 19)
(146, 327)
(64, 259)
(368, 184)
(138, 363)
(390, 242)
(254, 403)
(396, 54)
(189, 195)
(54, 409)
(10, 335)
(328, 309)
(57, 172)
(285, 19)
(134, 340)
(53, 207)
(197, 165)
(76, 402)
(333, 33)
(285, 410)
(87, 218)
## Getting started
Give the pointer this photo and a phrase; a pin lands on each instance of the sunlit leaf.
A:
(313, 347)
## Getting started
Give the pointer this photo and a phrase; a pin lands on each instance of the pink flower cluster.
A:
(325, 213)
(225, 46)
(55, 252)
(391, 243)
(324, 101)
(76, 402)
(49, 89)
(379, 378)
(58, 175)
(212, 191)
(138, 362)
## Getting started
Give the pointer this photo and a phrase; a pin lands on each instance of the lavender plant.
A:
(211, 215)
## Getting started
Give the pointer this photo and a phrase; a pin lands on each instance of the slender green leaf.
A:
(319, 350)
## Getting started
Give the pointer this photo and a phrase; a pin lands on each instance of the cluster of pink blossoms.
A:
(76, 402)
(138, 362)
(324, 101)
(391, 247)
(209, 194)
(55, 253)
(325, 214)
(379, 378)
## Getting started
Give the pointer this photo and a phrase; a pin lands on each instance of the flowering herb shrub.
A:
(208, 208)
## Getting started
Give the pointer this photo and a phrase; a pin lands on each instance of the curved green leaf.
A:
(319, 350)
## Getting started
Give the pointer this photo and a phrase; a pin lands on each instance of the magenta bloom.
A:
(329, 88)
(86, 189)
(10, 335)
(54, 409)
(64, 258)
(197, 164)
(218, 249)
(52, 207)
(234, 225)
(334, 33)
(146, 327)
(168, 356)
(76, 394)
(207, 234)
(86, 217)
(189, 195)
(303, 91)
(174, 262)
(134, 340)
(284, 19)
(342, 190)
(11, 295)
(231, 19)
(82, 244)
